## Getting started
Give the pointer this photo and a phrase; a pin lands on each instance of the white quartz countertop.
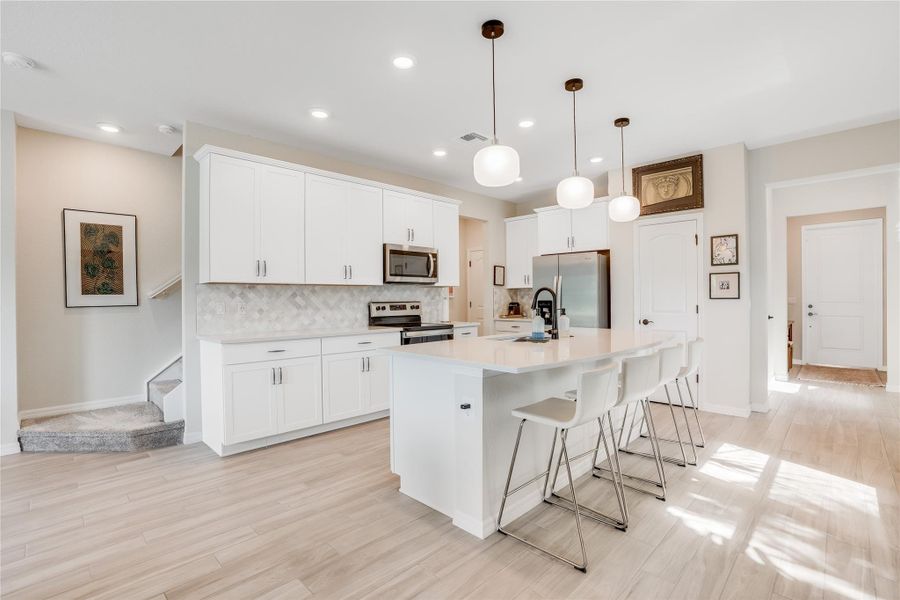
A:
(501, 353)
(301, 334)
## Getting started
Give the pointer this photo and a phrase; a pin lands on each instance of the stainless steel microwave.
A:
(410, 264)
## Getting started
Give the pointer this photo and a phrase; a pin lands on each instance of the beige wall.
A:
(77, 355)
(795, 267)
(471, 236)
(490, 210)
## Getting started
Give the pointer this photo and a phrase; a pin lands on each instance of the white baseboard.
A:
(759, 407)
(798, 361)
(9, 449)
(892, 388)
(61, 409)
(725, 410)
(193, 437)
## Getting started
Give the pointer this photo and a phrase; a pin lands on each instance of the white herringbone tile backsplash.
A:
(291, 307)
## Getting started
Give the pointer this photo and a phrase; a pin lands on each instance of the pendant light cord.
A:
(574, 137)
(622, 146)
(494, 90)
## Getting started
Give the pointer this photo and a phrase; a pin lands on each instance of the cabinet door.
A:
(590, 227)
(300, 388)
(250, 402)
(326, 211)
(446, 241)
(362, 235)
(281, 228)
(554, 231)
(343, 395)
(530, 235)
(518, 261)
(420, 216)
(232, 218)
(379, 382)
(396, 227)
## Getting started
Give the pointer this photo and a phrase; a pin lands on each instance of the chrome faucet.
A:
(554, 329)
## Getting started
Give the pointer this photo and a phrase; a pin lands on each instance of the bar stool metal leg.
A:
(576, 508)
(616, 473)
(600, 471)
(654, 444)
(696, 410)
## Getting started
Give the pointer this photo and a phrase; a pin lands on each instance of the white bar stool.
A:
(691, 367)
(640, 378)
(671, 359)
(597, 393)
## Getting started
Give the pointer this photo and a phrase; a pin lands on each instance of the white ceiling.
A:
(690, 76)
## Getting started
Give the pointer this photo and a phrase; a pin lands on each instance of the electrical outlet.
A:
(241, 308)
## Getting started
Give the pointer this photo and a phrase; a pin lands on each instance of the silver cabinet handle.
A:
(408, 234)
(414, 234)
(362, 364)
(274, 351)
(273, 375)
(280, 376)
(345, 271)
(364, 343)
(367, 363)
(257, 268)
(265, 270)
(516, 326)
(351, 271)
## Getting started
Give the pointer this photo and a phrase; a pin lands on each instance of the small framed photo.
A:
(499, 275)
(100, 255)
(724, 286)
(723, 250)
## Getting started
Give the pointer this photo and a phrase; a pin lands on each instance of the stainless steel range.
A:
(408, 316)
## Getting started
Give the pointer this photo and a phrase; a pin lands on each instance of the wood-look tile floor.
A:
(798, 503)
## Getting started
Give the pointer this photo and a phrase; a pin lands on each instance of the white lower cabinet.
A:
(250, 397)
(465, 331)
(354, 383)
(509, 326)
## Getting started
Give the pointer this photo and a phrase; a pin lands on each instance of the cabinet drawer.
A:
(257, 351)
(513, 326)
(461, 332)
(356, 343)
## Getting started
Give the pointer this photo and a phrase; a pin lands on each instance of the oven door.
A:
(422, 337)
(410, 264)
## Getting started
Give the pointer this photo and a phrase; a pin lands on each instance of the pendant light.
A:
(496, 165)
(574, 191)
(624, 208)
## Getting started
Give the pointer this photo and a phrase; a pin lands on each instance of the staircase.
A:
(139, 426)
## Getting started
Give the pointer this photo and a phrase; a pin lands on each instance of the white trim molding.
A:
(7, 449)
(61, 409)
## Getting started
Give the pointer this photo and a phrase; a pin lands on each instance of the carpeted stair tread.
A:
(130, 427)
(165, 386)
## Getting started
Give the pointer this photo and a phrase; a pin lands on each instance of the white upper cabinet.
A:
(561, 230)
(446, 241)
(521, 248)
(408, 219)
(343, 232)
(251, 222)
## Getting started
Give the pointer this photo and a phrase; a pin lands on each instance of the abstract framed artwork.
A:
(100, 258)
(723, 250)
(725, 286)
(669, 186)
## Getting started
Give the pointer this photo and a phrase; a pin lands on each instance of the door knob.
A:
(646, 321)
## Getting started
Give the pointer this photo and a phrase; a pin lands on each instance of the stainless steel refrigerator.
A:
(581, 281)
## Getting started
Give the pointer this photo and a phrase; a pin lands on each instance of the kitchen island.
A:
(451, 429)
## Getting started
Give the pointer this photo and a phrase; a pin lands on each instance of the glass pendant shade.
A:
(575, 192)
(624, 209)
(496, 165)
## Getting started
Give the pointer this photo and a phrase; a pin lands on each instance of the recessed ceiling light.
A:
(166, 129)
(518, 179)
(404, 62)
(109, 127)
(18, 61)
(440, 152)
(596, 159)
(526, 123)
(318, 113)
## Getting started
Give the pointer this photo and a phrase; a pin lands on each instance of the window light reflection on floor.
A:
(733, 464)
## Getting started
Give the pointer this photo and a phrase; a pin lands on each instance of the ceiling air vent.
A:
(471, 136)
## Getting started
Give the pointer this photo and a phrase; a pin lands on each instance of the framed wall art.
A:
(499, 275)
(724, 286)
(723, 250)
(100, 258)
(669, 186)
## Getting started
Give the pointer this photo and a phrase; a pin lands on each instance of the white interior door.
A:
(666, 277)
(475, 285)
(842, 294)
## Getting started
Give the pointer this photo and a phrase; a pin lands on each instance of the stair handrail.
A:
(158, 373)
(163, 290)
